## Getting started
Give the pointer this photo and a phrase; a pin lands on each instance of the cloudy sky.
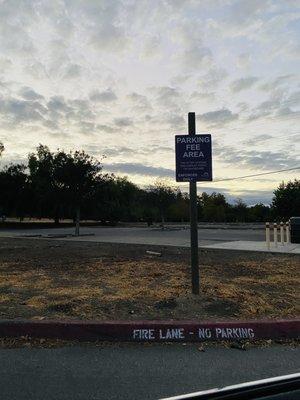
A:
(117, 78)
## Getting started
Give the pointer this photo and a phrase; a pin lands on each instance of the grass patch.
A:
(100, 281)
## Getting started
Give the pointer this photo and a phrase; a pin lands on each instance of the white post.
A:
(268, 235)
(287, 232)
(281, 233)
(275, 235)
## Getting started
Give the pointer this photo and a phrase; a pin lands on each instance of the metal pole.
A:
(194, 217)
(77, 221)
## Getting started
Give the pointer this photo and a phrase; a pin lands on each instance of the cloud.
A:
(258, 139)
(203, 95)
(105, 128)
(279, 104)
(139, 169)
(87, 127)
(243, 83)
(252, 197)
(73, 71)
(128, 151)
(139, 101)
(106, 18)
(29, 94)
(20, 111)
(193, 53)
(175, 121)
(244, 11)
(103, 97)
(213, 78)
(5, 63)
(102, 23)
(168, 97)
(109, 38)
(196, 57)
(119, 151)
(277, 82)
(53, 113)
(180, 79)
(222, 116)
(243, 60)
(58, 104)
(165, 93)
(152, 47)
(287, 112)
(15, 40)
(293, 100)
(123, 122)
(254, 159)
(243, 106)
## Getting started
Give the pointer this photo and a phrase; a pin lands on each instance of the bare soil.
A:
(79, 280)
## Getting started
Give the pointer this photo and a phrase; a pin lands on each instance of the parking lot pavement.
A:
(129, 372)
(151, 236)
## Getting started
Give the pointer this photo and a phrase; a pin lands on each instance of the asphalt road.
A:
(153, 236)
(134, 371)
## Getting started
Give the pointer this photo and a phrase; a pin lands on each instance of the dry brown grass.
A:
(110, 287)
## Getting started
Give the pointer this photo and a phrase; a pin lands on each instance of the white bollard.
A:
(287, 232)
(268, 235)
(281, 233)
(275, 235)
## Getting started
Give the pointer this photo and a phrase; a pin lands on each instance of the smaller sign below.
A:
(193, 158)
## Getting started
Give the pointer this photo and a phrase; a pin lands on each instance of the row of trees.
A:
(61, 185)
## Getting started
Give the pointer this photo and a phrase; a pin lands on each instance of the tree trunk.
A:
(162, 220)
(77, 221)
(56, 216)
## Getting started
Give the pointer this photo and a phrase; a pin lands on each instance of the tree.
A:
(77, 174)
(116, 198)
(128, 194)
(14, 191)
(213, 207)
(240, 210)
(259, 213)
(48, 190)
(105, 202)
(286, 200)
(63, 180)
(162, 196)
(179, 210)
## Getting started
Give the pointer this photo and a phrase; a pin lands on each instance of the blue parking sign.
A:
(193, 158)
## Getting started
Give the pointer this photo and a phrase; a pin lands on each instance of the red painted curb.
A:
(152, 331)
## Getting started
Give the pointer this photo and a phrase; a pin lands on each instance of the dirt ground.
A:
(58, 279)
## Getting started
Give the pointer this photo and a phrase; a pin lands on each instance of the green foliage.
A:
(57, 184)
(259, 213)
(286, 200)
(240, 210)
(179, 209)
(213, 207)
(162, 197)
(62, 181)
(14, 191)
